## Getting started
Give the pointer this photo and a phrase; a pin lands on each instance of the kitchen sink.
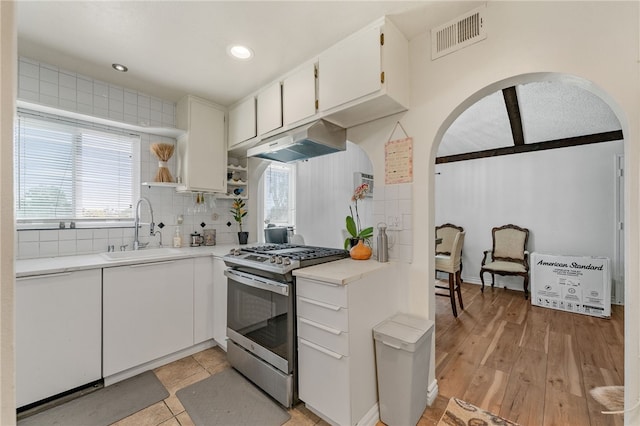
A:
(140, 254)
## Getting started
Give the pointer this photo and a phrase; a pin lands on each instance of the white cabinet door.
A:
(202, 299)
(324, 381)
(220, 303)
(242, 122)
(350, 69)
(58, 333)
(148, 312)
(202, 152)
(299, 95)
(270, 109)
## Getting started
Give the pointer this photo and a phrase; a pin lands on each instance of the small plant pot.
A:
(360, 251)
(243, 237)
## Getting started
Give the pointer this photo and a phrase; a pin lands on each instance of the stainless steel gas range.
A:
(261, 313)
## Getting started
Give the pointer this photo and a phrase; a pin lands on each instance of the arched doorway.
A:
(491, 350)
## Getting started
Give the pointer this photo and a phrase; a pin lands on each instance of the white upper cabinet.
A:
(365, 76)
(299, 95)
(242, 122)
(270, 109)
(202, 153)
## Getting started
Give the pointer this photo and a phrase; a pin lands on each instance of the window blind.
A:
(72, 171)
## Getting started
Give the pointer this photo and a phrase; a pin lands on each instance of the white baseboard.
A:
(432, 393)
(371, 417)
(115, 378)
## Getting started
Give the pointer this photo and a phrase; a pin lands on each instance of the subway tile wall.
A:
(393, 205)
(48, 85)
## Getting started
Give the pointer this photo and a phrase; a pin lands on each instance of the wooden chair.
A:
(451, 264)
(447, 234)
(509, 255)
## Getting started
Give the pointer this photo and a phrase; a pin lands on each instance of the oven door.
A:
(260, 317)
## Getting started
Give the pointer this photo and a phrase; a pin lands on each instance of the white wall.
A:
(324, 186)
(564, 197)
(597, 42)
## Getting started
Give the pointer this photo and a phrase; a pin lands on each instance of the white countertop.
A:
(341, 272)
(54, 265)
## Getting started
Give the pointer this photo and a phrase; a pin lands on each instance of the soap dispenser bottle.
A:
(177, 239)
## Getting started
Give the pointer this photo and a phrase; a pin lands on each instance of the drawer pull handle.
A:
(321, 304)
(144, 265)
(321, 349)
(390, 345)
(320, 326)
(60, 274)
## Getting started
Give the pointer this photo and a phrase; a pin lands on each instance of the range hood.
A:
(311, 140)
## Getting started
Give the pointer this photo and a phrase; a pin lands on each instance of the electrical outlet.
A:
(394, 223)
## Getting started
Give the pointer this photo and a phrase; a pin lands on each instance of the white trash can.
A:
(403, 348)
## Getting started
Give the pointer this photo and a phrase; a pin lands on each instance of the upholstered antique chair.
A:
(446, 234)
(509, 255)
(451, 264)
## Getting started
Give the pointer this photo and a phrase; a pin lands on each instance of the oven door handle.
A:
(258, 282)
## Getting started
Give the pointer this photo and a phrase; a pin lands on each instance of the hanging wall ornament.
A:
(163, 151)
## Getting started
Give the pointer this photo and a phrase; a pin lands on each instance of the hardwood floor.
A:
(532, 365)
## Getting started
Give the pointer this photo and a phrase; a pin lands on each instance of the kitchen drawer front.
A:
(324, 313)
(324, 292)
(323, 381)
(325, 336)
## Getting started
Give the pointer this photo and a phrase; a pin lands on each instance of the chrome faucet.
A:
(136, 224)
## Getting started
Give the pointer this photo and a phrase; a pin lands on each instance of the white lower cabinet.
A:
(219, 303)
(148, 312)
(336, 354)
(58, 340)
(203, 299)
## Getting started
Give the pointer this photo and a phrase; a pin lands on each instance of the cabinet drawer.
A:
(324, 292)
(328, 337)
(324, 313)
(323, 381)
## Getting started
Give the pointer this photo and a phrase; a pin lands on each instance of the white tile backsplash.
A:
(28, 250)
(28, 236)
(67, 79)
(48, 249)
(84, 234)
(395, 201)
(49, 235)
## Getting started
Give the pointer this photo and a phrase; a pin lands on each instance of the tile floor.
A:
(189, 370)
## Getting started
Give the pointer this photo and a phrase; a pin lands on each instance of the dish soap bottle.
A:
(177, 239)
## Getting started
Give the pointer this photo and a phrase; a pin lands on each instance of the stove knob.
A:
(272, 259)
(286, 261)
(279, 260)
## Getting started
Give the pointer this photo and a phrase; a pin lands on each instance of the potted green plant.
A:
(353, 225)
(238, 210)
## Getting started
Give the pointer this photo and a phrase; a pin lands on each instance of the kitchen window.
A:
(73, 171)
(279, 194)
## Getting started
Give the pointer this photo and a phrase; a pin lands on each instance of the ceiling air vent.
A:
(458, 33)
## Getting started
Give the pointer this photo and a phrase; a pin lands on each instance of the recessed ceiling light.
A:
(119, 67)
(240, 52)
